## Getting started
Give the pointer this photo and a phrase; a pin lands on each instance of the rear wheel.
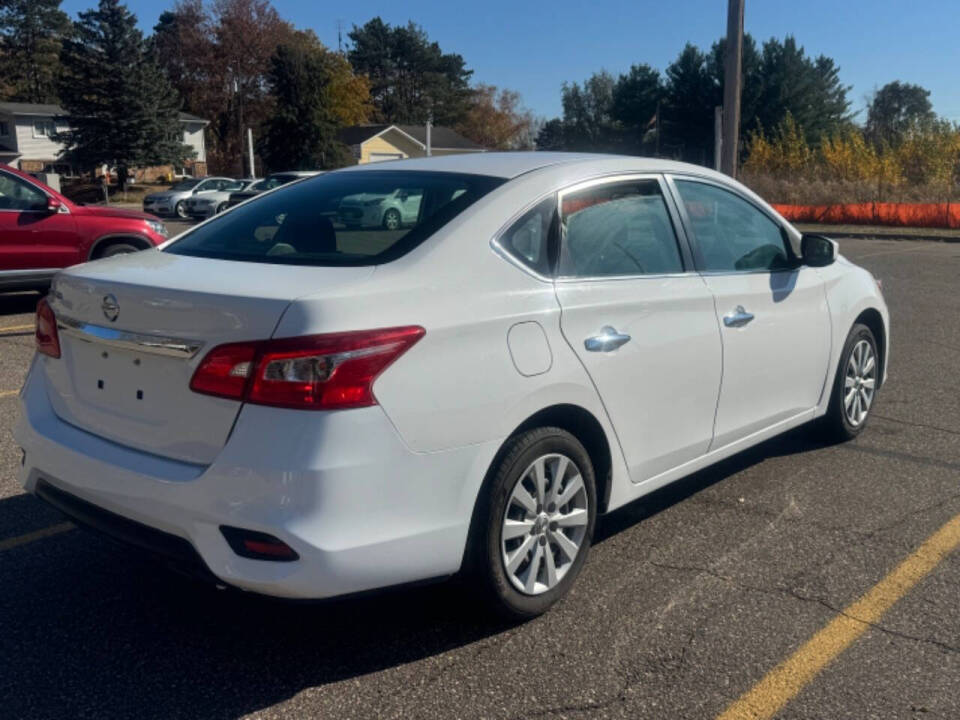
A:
(855, 386)
(221, 207)
(391, 219)
(535, 522)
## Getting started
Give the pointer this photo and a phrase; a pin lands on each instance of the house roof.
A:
(441, 138)
(19, 108)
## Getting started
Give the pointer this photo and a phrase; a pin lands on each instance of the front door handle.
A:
(737, 318)
(608, 339)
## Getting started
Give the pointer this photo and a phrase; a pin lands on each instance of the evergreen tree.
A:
(31, 36)
(896, 108)
(301, 133)
(411, 78)
(122, 110)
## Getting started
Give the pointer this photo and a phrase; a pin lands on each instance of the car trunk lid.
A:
(134, 328)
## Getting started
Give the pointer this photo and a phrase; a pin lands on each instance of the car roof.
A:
(509, 165)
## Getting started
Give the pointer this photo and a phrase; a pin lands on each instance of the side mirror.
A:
(53, 205)
(817, 250)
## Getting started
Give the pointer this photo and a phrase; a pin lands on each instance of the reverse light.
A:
(47, 337)
(314, 372)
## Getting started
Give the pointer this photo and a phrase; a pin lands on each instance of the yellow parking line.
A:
(8, 393)
(786, 680)
(15, 328)
(11, 543)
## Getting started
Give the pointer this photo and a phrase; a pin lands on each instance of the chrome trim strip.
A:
(138, 342)
(29, 272)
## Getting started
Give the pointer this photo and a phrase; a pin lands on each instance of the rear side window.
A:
(528, 239)
(350, 218)
(620, 228)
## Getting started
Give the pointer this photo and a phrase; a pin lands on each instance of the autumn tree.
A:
(497, 120)
(31, 37)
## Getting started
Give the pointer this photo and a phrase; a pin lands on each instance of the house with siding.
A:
(376, 143)
(27, 139)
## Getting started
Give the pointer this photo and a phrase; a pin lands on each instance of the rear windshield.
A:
(351, 218)
(185, 184)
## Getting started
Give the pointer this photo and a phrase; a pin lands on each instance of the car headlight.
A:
(158, 227)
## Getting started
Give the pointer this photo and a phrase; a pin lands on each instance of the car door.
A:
(771, 310)
(31, 237)
(640, 319)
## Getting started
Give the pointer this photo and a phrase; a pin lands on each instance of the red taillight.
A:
(48, 340)
(318, 372)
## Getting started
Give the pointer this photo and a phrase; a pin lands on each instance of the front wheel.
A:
(181, 210)
(391, 219)
(855, 386)
(535, 522)
(119, 249)
(221, 207)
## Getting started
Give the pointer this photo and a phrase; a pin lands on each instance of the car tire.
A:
(180, 210)
(498, 513)
(220, 208)
(855, 386)
(117, 249)
(391, 219)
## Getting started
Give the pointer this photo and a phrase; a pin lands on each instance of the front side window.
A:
(528, 239)
(346, 218)
(17, 194)
(620, 228)
(731, 234)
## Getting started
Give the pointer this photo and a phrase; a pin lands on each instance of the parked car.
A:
(41, 231)
(387, 211)
(174, 201)
(205, 204)
(269, 183)
(302, 411)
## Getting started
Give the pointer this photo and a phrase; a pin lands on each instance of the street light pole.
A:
(732, 80)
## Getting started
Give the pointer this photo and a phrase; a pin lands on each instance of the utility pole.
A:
(717, 136)
(250, 147)
(732, 80)
(429, 134)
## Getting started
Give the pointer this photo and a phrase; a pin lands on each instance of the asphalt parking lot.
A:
(689, 599)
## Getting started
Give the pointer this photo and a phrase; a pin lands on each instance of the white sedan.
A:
(305, 412)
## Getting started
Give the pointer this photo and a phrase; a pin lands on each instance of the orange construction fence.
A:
(928, 215)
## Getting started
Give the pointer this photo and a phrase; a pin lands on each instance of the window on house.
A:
(43, 128)
(4, 128)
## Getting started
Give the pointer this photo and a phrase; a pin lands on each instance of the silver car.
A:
(207, 204)
(174, 200)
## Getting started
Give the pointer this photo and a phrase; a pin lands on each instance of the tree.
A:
(309, 84)
(894, 109)
(31, 37)
(636, 101)
(551, 136)
(411, 78)
(497, 121)
(182, 46)
(122, 110)
(690, 95)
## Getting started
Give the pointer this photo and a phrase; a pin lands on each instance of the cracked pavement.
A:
(688, 598)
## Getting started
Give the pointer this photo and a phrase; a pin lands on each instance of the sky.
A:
(533, 47)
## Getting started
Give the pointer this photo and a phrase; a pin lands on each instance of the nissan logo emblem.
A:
(110, 307)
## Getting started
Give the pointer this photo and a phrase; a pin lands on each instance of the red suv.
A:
(41, 231)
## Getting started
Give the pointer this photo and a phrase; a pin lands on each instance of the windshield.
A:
(355, 218)
(186, 185)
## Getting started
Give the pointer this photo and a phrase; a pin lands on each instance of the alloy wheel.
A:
(859, 383)
(391, 221)
(544, 524)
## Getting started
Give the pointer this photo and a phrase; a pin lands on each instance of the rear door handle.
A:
(608, 339)
(737, 318)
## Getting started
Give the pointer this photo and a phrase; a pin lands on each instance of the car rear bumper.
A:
(341, 488)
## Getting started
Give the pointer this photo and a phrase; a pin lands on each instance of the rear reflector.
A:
(314, 372)
(257, 545)
(47, 337)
